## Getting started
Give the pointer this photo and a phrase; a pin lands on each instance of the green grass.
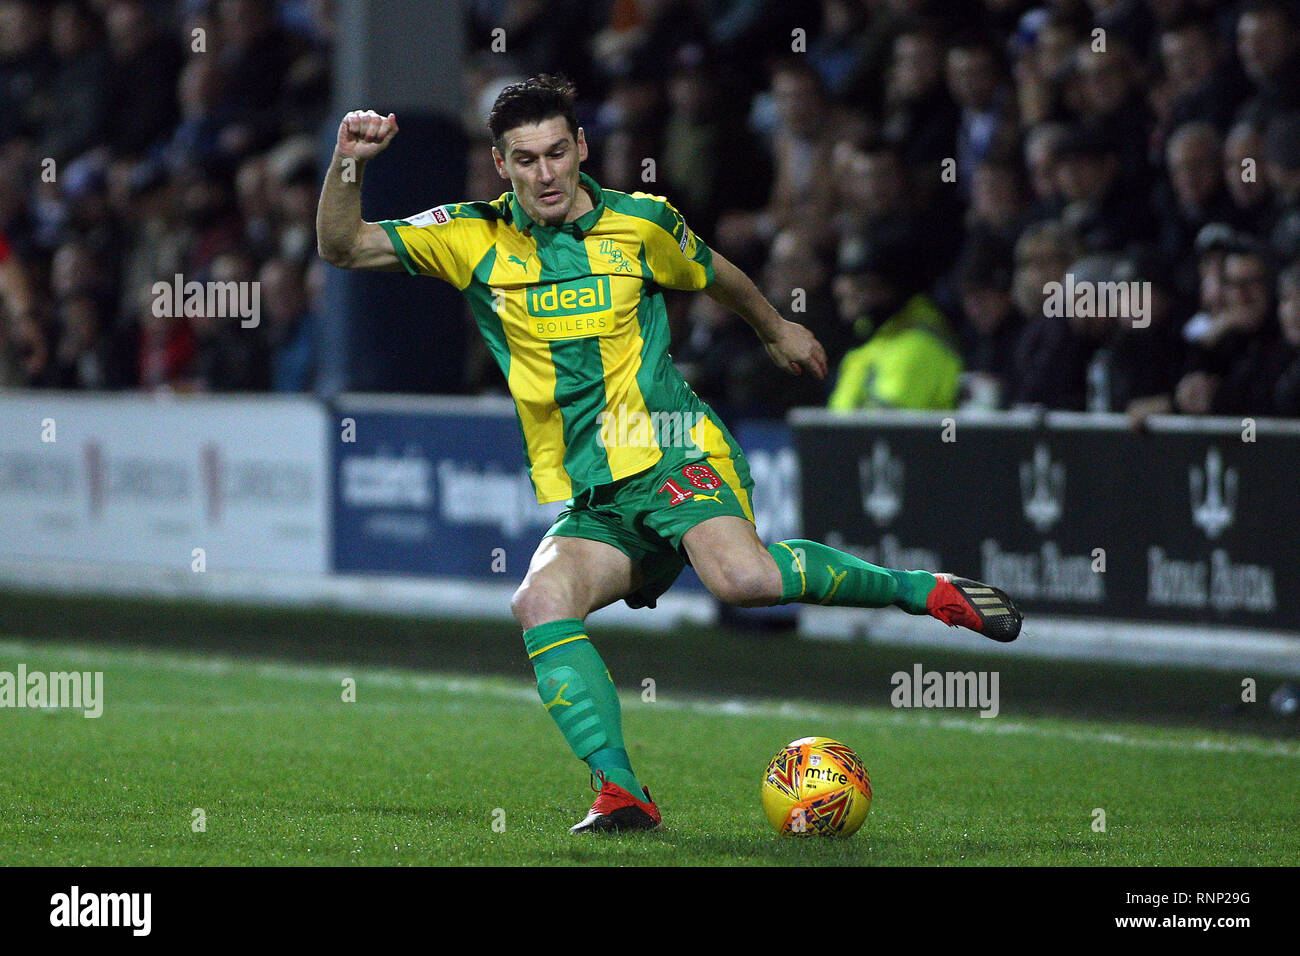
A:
(413, 772)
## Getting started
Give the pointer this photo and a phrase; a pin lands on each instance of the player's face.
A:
(541, 161)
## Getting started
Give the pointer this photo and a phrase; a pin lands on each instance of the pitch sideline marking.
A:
(737, 707)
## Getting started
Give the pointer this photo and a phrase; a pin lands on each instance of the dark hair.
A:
(536, 99)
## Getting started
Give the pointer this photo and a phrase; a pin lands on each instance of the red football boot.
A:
(616, 810)
(982, 608)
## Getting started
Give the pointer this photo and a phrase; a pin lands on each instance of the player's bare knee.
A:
(748, 585)
(538, 604)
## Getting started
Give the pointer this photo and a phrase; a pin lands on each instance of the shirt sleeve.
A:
(678, 258)
(432, 243)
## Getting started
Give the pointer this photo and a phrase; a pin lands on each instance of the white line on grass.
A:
(734, 707)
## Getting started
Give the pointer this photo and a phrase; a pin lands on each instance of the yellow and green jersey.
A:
(574, 317)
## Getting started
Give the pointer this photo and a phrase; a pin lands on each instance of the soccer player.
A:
(564, 280)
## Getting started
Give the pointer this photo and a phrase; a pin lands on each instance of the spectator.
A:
(291, 326)
(1269, 47)
(1134, 367)
(1212, 246)
(78, 93)
(910, 358)
(1194, 194)
(1050, 362)
(253, 55)
(294, 200)
(1233, 368)
(1128, 20)
(83, 358)
(144, 65)
(997, 208)
(701, 140)
(873, 197)
(231, 357)
(204, 139)
(166, 349)
(919, 115)
(796, 281)
(991, 327)
(1103, 93)
(23, 347)
(1201, 84)
(1042, 143)
(26, 66)
(1095, 203)
(1247, 183)
(802, 145)
(987, 124)
(836, 53)
(1049, 38)
(705, 357)
(1286, 392)
(1282, 166)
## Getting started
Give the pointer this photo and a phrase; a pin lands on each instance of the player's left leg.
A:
(738, 569)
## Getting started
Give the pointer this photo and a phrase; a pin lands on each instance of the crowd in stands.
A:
(937, 188)
(141, 141)
(929, 186)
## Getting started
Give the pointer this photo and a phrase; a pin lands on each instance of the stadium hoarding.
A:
(433, 486)
(1074, 515)
(438, 486)
(154, 481)
(769, 449)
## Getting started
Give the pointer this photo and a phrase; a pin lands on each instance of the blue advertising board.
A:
(774, 466)
(437, 486)
(433, 487)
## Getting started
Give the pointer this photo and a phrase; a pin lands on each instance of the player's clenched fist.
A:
(364, 134)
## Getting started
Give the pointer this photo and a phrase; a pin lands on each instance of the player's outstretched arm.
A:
(791, 346)
(343, 238)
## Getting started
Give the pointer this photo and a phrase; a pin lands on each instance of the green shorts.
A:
(645, 515)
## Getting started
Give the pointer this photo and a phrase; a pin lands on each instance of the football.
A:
(816, 786)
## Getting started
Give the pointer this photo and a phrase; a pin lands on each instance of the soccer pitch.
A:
(200, 759)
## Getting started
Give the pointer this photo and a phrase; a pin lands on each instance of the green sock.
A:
(813, 573)
(579, 694)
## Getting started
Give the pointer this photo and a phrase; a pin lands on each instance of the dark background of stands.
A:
(806, 141)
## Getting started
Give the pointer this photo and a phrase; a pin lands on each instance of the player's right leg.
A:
(567, 579)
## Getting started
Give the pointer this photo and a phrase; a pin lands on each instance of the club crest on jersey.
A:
(617, 259)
